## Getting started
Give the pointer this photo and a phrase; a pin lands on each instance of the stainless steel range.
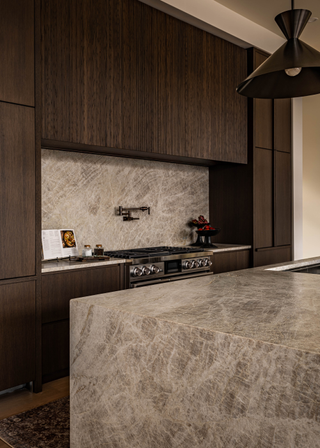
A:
(163, 264)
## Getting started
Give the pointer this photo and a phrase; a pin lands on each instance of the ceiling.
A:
(263, 13)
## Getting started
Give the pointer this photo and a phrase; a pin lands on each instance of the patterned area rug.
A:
(47, 426)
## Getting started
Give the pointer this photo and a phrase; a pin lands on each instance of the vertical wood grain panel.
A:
(282, 209)
(263, 197)
(17, 334)
(171, 87)
(17, 193)
(195, 53)
(263, 111)
(17, 52)
(263, 123)
(233, 134)
(121, 74)
(282, 125)
(81, 76)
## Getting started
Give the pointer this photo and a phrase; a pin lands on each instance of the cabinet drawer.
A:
(272, 255)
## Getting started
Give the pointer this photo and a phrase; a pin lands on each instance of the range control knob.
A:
(207, 262)
(200, 262)
(136, 272)
(145, 271)
(155, 269)
(194, 264)
(186, 264)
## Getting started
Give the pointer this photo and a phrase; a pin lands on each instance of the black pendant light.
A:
(293, 70)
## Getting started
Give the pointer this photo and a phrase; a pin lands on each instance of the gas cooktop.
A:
(150, 265)
(146, 252)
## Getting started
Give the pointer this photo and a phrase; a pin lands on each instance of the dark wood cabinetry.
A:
(57, 290)
(17, 52)
(123, 76)
(252, 204)
(282, 198)
(263, 123)
(263, 197)
(230, 261)
(282, 125)
(17, 193)
(17, 333)
(19, 199)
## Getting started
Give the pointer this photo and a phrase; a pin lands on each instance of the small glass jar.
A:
(87, 251)
(98, 250)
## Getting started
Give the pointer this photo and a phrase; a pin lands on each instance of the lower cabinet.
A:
(57, 290)
(17, 333)
(230, 261)
(272, 255)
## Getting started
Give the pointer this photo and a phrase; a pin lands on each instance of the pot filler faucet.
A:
(127, 212)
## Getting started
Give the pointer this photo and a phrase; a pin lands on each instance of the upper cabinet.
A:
(282, 125)
(253, 203)
(17, 193)
(120, 74)
(17, 52)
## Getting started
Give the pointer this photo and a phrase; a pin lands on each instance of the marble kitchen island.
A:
(229, 360)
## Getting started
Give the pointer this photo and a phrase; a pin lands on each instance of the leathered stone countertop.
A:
(230, 360)
(65, 265)
(227, 247)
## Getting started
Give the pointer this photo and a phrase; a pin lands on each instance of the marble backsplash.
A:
(84, 191)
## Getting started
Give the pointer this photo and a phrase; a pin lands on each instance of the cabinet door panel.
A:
(17, 52)
(17, 193)
(59, 288)
(282, 125)
(263, 197)
(17, 334)
(282, 209)
(55, 350)
(263, 111)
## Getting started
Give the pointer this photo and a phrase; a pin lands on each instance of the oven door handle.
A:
(169, 279)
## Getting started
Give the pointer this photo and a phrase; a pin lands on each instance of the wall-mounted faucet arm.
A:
(126, 212)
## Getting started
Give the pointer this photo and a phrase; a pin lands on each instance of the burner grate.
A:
(152, 252)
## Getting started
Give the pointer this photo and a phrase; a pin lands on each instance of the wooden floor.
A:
(24, 400)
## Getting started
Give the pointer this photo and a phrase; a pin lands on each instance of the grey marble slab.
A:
(84, 191)
(227, 361)
(65, 265)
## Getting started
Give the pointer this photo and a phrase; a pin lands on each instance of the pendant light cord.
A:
(292, 4)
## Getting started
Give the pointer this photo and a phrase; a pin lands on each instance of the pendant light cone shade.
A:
(291, 71)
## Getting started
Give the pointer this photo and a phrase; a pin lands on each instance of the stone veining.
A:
(83, 192)
(230, 361)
